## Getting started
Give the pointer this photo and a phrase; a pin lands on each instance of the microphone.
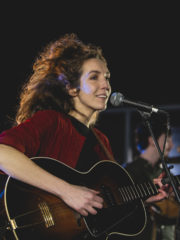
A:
(117, 99)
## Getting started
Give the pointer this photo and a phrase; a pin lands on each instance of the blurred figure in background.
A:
(146, 166)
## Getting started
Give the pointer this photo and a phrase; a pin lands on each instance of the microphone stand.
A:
(146, 117)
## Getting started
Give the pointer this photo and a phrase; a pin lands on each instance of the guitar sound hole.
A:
(108, 196)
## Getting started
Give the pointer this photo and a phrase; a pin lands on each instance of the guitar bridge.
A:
(47, 216)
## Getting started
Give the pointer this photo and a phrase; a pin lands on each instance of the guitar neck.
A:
(141, 191)
(138, 191)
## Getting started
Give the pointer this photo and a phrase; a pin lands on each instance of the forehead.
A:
(94, 64)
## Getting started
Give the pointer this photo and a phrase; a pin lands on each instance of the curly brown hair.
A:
(58, 65)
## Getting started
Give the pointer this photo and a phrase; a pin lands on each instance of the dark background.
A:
(140, 42)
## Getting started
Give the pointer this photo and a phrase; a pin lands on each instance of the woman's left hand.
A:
(163, 191)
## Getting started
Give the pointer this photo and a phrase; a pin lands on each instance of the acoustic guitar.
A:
(36, 214)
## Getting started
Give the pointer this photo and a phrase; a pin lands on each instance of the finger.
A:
(84, 213)
(94, 191)
(157, 181)
(162, 194)
(97, 205)
(163, 174)
(98, 199)
(91, 210)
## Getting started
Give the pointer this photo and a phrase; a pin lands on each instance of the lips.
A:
(102, 96)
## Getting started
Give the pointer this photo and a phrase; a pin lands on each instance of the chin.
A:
(102, 108)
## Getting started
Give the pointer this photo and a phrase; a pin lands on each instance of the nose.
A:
(105, 84)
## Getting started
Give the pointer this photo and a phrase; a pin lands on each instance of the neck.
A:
(86, 120)
(151, 156)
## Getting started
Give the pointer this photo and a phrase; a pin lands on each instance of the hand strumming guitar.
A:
(82, 199)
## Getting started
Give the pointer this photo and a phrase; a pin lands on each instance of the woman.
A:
(59, 106)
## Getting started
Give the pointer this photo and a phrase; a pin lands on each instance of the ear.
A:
(72, 92)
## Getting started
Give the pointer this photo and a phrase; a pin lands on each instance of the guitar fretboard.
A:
(141, 191)
(138, 191)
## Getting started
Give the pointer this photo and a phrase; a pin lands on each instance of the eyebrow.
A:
(96, 71)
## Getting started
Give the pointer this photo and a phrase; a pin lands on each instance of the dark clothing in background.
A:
(141, 171)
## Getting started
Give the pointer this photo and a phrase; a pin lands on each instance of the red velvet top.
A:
(51, 134)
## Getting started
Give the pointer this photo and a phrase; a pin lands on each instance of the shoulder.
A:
(46, 120)
(48, 116)
(48, 113)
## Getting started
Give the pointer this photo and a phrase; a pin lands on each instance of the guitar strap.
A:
(108, 154)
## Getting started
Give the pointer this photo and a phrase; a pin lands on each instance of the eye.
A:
(107, 78)
(94, 77)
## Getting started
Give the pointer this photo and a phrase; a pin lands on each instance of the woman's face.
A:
(94, 89)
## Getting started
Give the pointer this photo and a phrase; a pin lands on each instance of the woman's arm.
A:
(19, 166)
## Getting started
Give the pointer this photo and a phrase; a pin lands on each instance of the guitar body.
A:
(37, 214)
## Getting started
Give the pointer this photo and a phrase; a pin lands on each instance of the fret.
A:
(125, 194)
(141, 194)
(147, 189)
(143, 189)
(152, 190)
(129, 198)
(138, 195)
(155, 188)
(134, 194)
(122, 194)
(130, 191)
